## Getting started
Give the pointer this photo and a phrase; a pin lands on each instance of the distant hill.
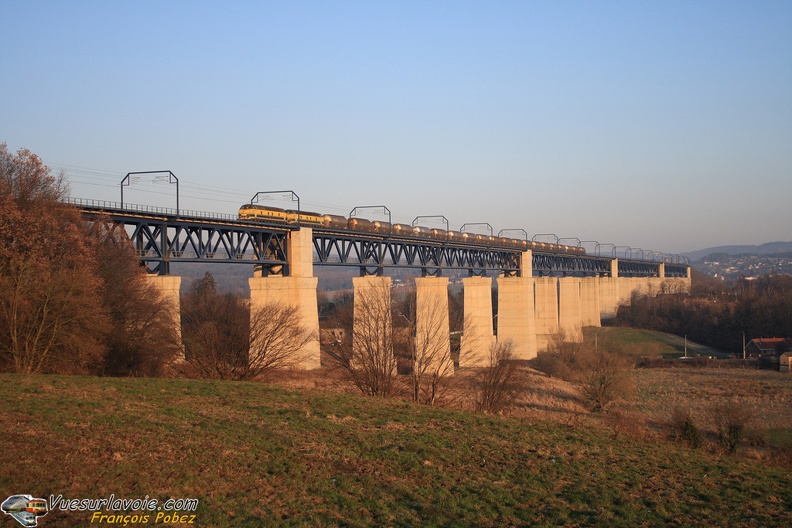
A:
(768, 248)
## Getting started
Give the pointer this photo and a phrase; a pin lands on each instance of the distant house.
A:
(768, 346)
(785, 362)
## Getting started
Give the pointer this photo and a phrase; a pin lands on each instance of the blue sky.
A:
(660, 125)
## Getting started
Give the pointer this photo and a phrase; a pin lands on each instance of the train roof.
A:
(257, 206)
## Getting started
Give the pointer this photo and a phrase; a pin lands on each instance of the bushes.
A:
(497, 384)
(605, 377)
(729, 418)
(684, 430)
(600, 372)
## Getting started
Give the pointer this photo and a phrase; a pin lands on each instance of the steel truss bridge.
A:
(161, 236)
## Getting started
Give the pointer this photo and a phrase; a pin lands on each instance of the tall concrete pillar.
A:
(614, 268)
(658, 285)
(626, 287)
(297, 289)
(292, 291)
(526, 264)
(644, 286)
(372, 325)
(477, 334)
(569, 314)
(546, 310)
(432, 331)
(168, 287)
(589, 301)
(608, 296)
(516, 315)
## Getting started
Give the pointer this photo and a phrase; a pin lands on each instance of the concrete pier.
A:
(372, 326)
(608, 296)
(590, 301)
(477, 334)
(626, 287)
(168, 286)
(432, 331)
(297, 289)
(546, 309)
(569, 312)
(516, 323)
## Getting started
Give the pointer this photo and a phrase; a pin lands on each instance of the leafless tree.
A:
(225, 339)
(365, 352)
(277, 339)
(498, 384)
(428, 347)
(605, 377)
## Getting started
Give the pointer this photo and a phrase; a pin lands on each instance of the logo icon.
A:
(25, 509)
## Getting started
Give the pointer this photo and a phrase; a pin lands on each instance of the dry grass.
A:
(257, 455)
(763, 396)
(766, 393)
(649, 414)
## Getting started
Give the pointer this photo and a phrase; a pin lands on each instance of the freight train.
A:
(261, 213)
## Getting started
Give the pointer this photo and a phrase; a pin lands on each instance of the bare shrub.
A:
(731, 419)
(684, 430)
(561, 356)
(602, 375)
(498, 384)
(605, 377)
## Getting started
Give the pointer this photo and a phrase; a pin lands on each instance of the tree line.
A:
(717, 315)
(73, 298)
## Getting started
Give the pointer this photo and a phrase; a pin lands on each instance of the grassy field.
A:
(258, 455)
(649, 343)
(766, 395)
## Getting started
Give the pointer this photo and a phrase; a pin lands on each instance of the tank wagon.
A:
(261, 213)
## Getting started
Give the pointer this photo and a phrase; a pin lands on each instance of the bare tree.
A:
(605, 377)
(364, 351)
(428, 347)
(498, 384)
(277, 339)
(225, 339)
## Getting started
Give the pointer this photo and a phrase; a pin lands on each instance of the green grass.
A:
(257, 455)
(649, 343)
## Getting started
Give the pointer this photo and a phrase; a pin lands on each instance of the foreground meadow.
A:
(258, 455)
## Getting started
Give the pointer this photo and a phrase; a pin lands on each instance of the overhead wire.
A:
(108, 178)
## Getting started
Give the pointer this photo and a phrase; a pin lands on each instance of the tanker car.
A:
(261, 213)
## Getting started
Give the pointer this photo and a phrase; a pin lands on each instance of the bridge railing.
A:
(135, 208)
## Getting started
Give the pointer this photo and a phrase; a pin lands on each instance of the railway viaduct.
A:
(538, 293)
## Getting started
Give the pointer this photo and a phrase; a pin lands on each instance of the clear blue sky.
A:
(660, 125)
